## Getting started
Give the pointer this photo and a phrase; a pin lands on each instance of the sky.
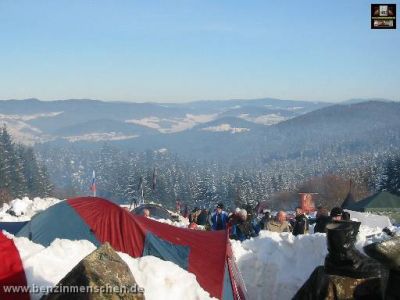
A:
(178, 51)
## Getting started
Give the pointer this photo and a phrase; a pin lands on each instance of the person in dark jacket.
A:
(323, 219)
(234, 217)
(244, 228)
(202, 217)
(219, 218)
(336, 214)
(194, 215)
(346, 216)
(265, 218)
(301, 222)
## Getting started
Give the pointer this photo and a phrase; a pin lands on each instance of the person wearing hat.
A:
(336, 214)
(219, 218)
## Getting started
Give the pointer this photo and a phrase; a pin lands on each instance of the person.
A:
(266, 217)
(219, 218)
(194, 215)
(300, 223)
(346, 216)
(279, 224)
(234, 218)
(146, 213)
(244, 228)
(336, 214)
(192, 225)
(323, 219)
(202, 217)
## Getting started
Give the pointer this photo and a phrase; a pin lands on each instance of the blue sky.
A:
(195, 49)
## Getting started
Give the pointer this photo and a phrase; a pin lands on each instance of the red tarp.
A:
(11, 270)
(126, 233)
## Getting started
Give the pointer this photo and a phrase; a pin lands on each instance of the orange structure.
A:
(307, 202)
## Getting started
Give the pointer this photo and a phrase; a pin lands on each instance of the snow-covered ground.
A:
(273, 266)
(24, 209)
(46, 266)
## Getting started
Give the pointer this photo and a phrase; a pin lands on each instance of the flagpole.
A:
(93, 187)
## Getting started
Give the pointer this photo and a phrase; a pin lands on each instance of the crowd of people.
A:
(243, 224)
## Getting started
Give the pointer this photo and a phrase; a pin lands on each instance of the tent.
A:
(12, 273)
(349, 201)
(382, 203)
(379, 202)
(12, 227)
(208, 255)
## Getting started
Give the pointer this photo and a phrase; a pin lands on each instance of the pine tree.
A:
(391, 177)
(20, 174)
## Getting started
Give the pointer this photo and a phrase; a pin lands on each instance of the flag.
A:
(93, 185)
(154, 179)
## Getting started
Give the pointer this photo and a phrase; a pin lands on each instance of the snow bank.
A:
(275, 266)
(46, 266)
(370, 220)
(24, 209)
(163, 279)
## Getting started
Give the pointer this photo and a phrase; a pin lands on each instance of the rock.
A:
(387, 252)
(321, 285)
(100, 275)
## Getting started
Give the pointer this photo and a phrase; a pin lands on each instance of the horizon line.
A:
(202, 100)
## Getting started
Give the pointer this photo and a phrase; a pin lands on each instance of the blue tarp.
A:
(12, 227)
(58, 221)
(165, 250)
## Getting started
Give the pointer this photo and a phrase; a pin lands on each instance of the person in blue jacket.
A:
(245, 228)
(219, 218)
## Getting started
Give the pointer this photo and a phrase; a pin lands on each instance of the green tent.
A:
(383, 203)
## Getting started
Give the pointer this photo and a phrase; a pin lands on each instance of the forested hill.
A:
(372, 126)
(20, 173)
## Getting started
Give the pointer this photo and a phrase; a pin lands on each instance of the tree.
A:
(20, 173)
(391, 176)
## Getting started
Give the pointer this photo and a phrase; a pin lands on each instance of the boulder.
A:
(321, 285)
(100, 275)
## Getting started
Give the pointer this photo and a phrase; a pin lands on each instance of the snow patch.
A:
(151, 122)
(163, 279)
(30, 117)
(24, 209)
(372, 220)
(269, 119)
(225, 128)
(24, 132)
(175, 124)
(161, 151)
(100, 136)
(295, 108)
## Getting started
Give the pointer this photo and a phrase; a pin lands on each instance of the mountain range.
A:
(233, 129)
